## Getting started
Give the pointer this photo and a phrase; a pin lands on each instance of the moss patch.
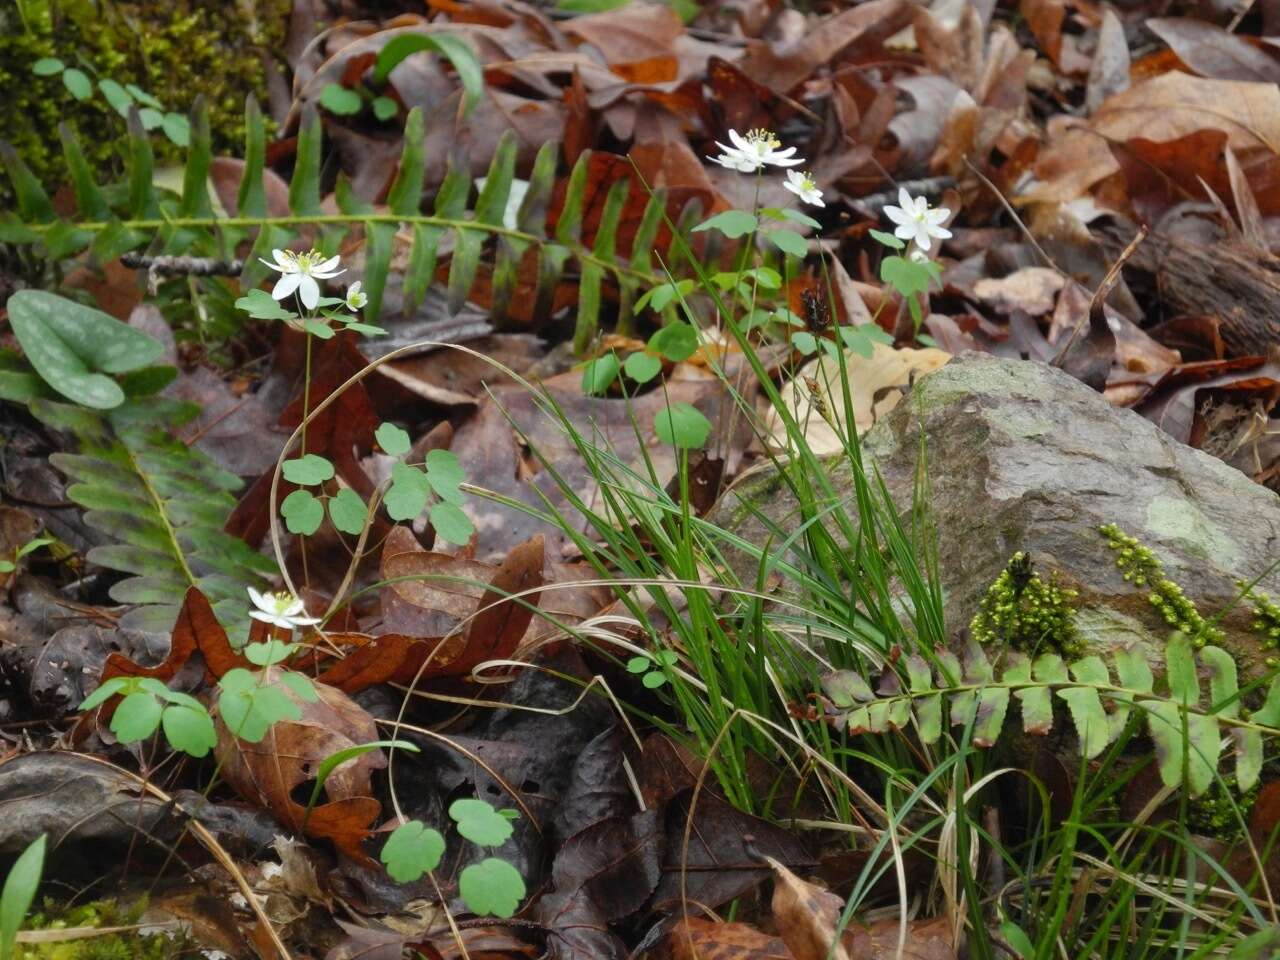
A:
(130, 945)
(173, 50)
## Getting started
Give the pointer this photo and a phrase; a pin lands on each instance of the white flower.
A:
(802, 185)
(356, 298)
(755, 151)
(916, 221)
(280, 609)
(300, 271)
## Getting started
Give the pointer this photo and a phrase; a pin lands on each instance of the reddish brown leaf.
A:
(196, 630)
(694, 938)
(867, 24)
(267, 773)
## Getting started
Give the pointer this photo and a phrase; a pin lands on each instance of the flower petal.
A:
(328, 266)
(940, 232)
(286, 285)
(282, 258)
(905, 200)
(309, 291)
(739, 141)
(936, 216)
(896, 214)
(905, 231)
(258, 599)
(276, 267)
(922, 239)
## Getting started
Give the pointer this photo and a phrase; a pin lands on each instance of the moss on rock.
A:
(174, 51)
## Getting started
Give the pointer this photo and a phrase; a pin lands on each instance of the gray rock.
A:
(1022, 456)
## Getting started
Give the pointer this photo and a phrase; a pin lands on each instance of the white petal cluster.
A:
(803, 186)
(280, 609)
(916, 222)
(757, 150)
(356, 298)
(300, 271)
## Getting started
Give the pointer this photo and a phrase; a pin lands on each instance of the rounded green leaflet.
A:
(47, 66)
(72, 346)
(77, 83)
(393, 440)
(189, 729)
(408, 494)
(676, 341)
(451, 523)
(384, 108)
(732, 223)
(788, 241)
(492, 886)
(445, 474)
(177, 128)
(480, 823)
(599, 373)
(682, 425)
(307, 470)
(136, 718)
(412, 850)
(639, 664)
(654, 679)
(105, 692)
(338, 99)
(116, 95)
(348, 512)
(642, 367)
(267, 654)
(302, 512)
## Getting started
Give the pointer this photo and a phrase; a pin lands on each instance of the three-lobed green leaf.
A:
(412, 850)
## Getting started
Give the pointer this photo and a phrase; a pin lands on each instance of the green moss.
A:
(115, 946)
(1214, 814)
(174, 51)
(1143, 568)
(1266, 621)
(1027, 613)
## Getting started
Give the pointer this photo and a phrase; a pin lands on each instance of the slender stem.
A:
(306, 410)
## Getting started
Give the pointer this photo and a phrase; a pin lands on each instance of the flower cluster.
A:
(300, 271)
(916, 221)
(760, 149)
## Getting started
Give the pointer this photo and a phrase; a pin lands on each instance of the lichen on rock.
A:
(1022, 457)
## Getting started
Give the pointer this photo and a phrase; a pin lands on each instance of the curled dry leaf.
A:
(497, 615)
(807, 917)
(1162, 108)
(268, 772)
(876, 385)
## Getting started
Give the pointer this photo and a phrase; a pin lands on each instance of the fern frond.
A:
(162, 502)
(1186, 726)
(110, 220)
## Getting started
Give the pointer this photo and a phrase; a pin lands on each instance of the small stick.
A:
(169, 266)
